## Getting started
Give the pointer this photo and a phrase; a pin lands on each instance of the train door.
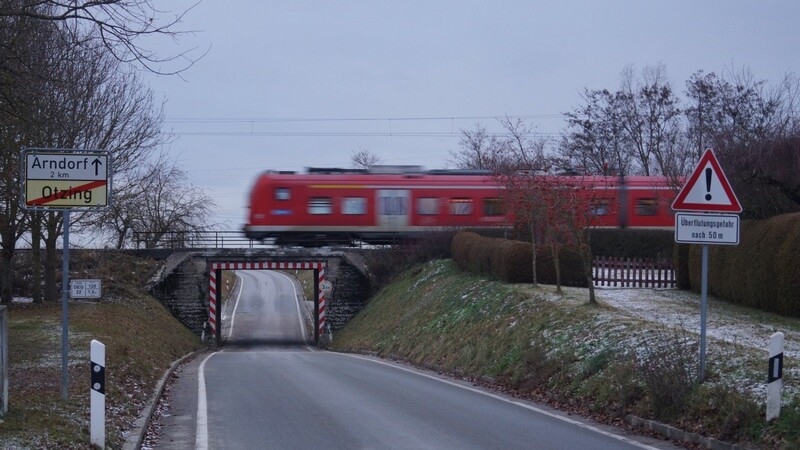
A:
(393, 209)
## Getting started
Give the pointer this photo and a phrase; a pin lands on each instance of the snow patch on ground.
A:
(725, 322)
(729, 329)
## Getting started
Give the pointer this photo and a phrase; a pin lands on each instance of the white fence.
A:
(633, 272)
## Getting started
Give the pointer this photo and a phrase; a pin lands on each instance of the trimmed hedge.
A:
(763, 271)
(632, 243)
(511, 261)
(680, 262)
(624, 243)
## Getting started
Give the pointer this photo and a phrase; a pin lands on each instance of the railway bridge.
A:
(187, 282)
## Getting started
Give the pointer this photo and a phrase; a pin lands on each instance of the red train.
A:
(385, 205)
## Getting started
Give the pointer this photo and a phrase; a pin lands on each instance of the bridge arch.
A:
(321, 291)
(183, 279)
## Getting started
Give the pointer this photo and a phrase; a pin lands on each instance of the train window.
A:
(646, 207)
(493, 207)
(354, 206)
(427, 206)
(599, 207)
(283, 194)
(320, 205)
(460, 206)
(393, 206)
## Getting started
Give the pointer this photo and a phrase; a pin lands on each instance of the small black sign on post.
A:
(775, 368)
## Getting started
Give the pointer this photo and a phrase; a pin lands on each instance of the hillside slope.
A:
(609, 361)
(142, 339)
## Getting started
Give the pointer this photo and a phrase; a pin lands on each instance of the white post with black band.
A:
(98, 394)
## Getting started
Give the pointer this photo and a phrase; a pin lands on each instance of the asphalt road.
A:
(266, 310)
(271, 391)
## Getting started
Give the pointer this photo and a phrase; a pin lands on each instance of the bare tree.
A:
(12, 218)
(754, 129)
(478, 149)
(166, 202)
(155, 199)
(524, 197)
(25, 50)
(571, 217)
(517, 158)
(105, 107)
(651, 118)
(556, 209)
(703, 110)
(635, 130)
(65, 96)
(595, 141)
(521, 148)
(516, 148)
(120, 25)
(364, 159)
(121, 219)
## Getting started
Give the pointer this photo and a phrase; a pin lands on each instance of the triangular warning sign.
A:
(707, 189)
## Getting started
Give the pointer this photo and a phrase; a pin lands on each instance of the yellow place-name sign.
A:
(65, 179)
(59, 193)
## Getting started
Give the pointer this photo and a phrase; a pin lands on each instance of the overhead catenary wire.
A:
(353, 119)
(338, 134)
(390, 129)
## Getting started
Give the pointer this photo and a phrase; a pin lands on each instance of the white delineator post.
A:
(98, 394)
(775, 377)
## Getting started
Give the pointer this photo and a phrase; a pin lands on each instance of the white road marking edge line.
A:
(513, 402)
(201, 433)
(236, 304)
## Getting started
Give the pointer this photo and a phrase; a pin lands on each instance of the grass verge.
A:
(561, 350)
(142, 339)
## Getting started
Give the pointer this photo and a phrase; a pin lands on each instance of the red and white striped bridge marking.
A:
(320, 281)
(263, 265)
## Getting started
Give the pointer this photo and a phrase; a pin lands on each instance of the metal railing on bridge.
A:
(196, 239)
(231, 239)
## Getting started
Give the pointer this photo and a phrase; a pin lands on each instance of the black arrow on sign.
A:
(96, 163)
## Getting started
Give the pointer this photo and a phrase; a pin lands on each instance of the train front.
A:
(261, 209)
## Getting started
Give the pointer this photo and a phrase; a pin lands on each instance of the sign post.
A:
(65, 311)
(65, 180)
(706, 191)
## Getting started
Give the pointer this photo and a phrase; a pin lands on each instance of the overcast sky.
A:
(291, 84)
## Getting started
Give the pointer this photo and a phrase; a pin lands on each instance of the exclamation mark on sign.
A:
(708, 184)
